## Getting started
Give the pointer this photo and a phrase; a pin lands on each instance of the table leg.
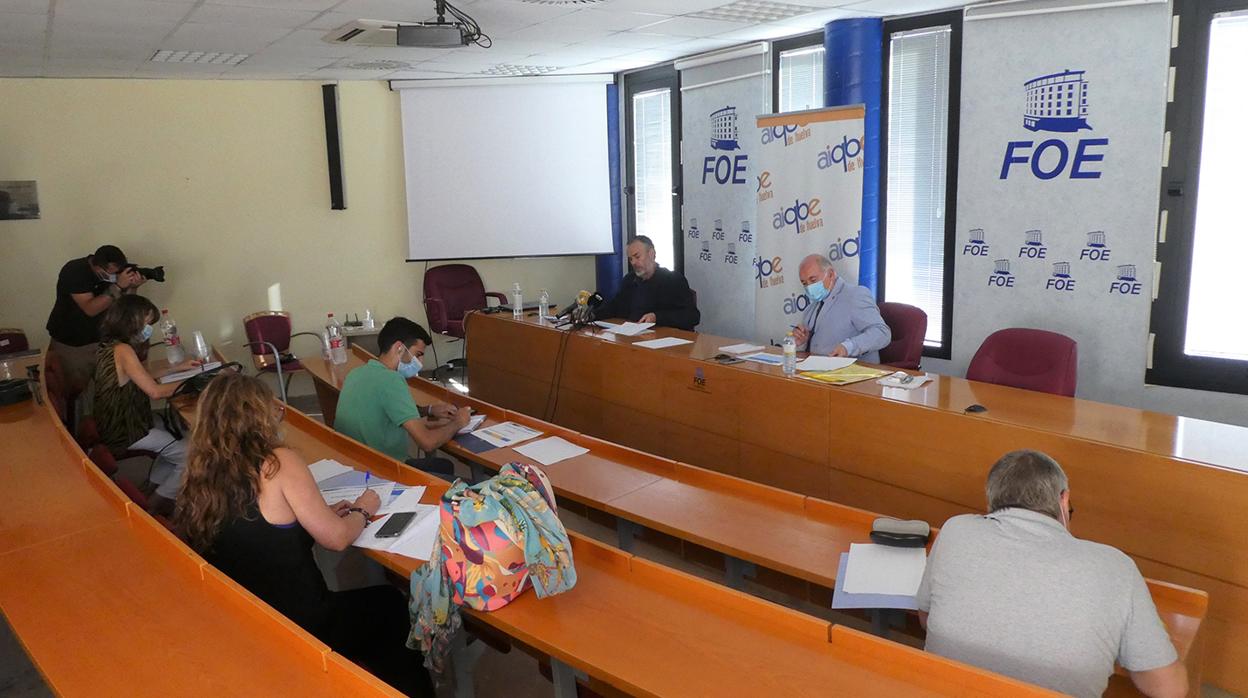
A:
(463, 659)
(736, 570)
(564, 679)
(626, 532)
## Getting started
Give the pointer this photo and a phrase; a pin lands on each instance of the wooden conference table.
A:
(1170, 491)
(745, 521)
(644, 629)
(107, 603)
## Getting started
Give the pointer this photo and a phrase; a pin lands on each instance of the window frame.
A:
(936, 19)
(1180, 178)
(778, 47)
(657, 77)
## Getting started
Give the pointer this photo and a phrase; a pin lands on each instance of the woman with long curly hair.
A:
(124, 391)
(251, 507)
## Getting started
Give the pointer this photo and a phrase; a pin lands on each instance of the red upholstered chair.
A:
(909, 326)
(103, 459)
(451, 291)
(54, 384)
(132, 492)
(268, 337)
(1032, 359)
(12, 341)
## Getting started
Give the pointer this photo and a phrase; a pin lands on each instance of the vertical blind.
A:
(801, 79)
(652, 171)
(918, 118)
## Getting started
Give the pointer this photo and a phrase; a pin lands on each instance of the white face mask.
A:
(108, 277)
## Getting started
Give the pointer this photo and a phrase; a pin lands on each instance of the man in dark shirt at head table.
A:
(651, 293)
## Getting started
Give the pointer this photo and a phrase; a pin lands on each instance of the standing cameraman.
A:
(85, 288)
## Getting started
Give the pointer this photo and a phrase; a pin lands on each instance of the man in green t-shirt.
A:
(376, 408)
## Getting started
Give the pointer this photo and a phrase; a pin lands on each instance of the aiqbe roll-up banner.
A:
(809, 198)
(1058, 180)
(721, 94)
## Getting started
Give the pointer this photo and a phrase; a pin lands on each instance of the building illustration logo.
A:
(746, 236)
(1061, 270)
(724, 133)
(1057, 102)
(1126, 284)
(693, 231)
(1033, 245)
(705, 254)
(975, 244)
(1001, 275)
(718, 233)
(1060, 281)
(1097, 248)
(1126, 272)
(730, 257)
(1096, 238)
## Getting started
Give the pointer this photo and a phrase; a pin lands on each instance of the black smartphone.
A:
(395, 524)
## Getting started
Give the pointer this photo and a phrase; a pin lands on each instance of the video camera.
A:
(149, 273)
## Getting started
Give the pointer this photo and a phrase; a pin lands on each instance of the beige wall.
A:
(225, 183)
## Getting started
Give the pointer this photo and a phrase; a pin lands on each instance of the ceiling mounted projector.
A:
(433, 35)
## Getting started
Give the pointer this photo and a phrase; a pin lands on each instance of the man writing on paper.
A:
(1015, 592)
(376, 408)
(841, 320)
(651, 293)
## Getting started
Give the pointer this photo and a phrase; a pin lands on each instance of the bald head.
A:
(816, 267)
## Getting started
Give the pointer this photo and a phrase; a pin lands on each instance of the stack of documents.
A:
(824, 363)
(844, 376)
(550, 451)
(473, 422)
(628, 329)
(183, 375)
(662, 343)
(884, 569)
(416, 541)
(904, 380)
(765, 358)
(741, 348)
(339, 482)
(505, 434)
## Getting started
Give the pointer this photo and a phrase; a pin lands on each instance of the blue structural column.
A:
(607, 266)
(853, 74)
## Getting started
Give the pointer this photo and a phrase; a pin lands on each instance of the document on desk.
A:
(333, 495)
(662, 343)
(183, 375)
(765, 358)
(742, 348)
(628, 329)
(416, 541)
(324, 469)
(402, 500)
(505, 434)
(552, 450)
(824, 363)
(843, 599)
(883, 569)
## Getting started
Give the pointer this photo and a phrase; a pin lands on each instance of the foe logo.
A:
(976, 247)
(694, 233)
(1125, 284)
(1096, 249)
(725, 169)
(730, 257)
(705, 254)
(802, 215)
(746, 236)
(846, 154)
(768, 272)
(718, 233)
(1034, 246)
(1001, 275)
(1060, 281)
(1056, 103)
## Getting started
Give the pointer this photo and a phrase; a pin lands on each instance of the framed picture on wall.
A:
(18, 201)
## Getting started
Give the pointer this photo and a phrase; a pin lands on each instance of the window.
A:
(797, 67)
(653, 161)
(1198, 338)
(922, 57)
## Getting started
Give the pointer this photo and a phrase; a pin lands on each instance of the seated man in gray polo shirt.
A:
(1016, 593)
(841, 320)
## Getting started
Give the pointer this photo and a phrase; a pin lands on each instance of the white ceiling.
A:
(284, 38)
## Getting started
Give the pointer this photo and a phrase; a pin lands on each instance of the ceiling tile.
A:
(903, 7)
(636, 40)
(16, 71)
(25, 6)
(315, 5)
(611, 20)
(178, 69)
(23, 30)
(120, 28)
(333, 20)
(267, 17)
(400, 10)
(76, 53)
(667, 6)
(309, 42)
(123, 10)
(341, 74)
(553, 33)
(222, 37)
(691, 27)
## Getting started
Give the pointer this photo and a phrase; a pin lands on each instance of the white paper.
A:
(416, 541)
(505, 434)
(407, 500)
(322, 470)
(473, 422)
(883, 569)
(662, 343)
(741, 348)
(628, 329)
(382, 488)
(183, 375)
(551, 451)
(894, 380)
(764, 358)
(824, 363)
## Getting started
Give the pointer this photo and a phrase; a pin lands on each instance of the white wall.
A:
(225, 183)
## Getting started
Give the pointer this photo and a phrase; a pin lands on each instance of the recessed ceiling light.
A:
(379, 65)
(512, 69)
(754, 11)
(201, 57)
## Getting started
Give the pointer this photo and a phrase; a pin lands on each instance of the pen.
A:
(366, 477)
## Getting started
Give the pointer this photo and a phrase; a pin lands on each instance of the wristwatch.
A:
(363, 513)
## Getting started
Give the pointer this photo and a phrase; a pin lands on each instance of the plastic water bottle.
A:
(369, 321)
(790, 355)
(517, 302)
(337, 342)
(174, 351)
(543, 305)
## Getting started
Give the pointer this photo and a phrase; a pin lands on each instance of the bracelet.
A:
(363, 513)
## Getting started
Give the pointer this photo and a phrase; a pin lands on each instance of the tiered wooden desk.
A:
(747, 522)
(1170, 491)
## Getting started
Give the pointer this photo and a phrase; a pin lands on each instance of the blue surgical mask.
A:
(409, 369)
(108, 278)
(146, 332)
(817, 291)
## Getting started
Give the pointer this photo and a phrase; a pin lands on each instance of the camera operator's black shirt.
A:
(67, 323)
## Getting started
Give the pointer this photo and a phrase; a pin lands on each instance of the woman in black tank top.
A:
(253, 510)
